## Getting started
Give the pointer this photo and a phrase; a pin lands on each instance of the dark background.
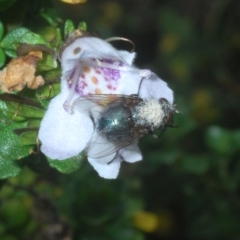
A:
(187, 186)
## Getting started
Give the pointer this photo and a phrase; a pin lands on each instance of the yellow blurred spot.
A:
(236, 40)
(180, 69)
(111, 13)
(165, 223)
(169, 43)
(28, 202)
(150, 222)
(204, 110)
(6, 191)
(146, 221)
(74, 1)
(58, 191)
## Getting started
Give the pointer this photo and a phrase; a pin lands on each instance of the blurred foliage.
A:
(188, 185)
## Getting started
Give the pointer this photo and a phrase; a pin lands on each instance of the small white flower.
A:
(92, 66)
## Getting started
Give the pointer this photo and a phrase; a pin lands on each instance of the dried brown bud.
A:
(20, 72)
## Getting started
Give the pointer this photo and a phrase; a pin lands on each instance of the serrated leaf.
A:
(5, 4)
(69, 165)
(1, 29)
(2, 58)
(10, 145)
(68, 28)
(9, 168)
(10, 39)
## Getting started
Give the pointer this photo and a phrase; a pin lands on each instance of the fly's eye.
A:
(169, 119)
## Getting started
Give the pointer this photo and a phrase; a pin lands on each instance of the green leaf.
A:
(2, 58)
(5, 4)
(33, 39)
(69, 165)
(195, 164)
(221, 140)
(9, 168)
(53, 76)
(10, 145)
(82, 26)
(68, 28)
(236, 139)
(14, 206)
(3, 116)
(25, 111)
(1, 28)
(57, 41)
(33, 123)
(27, 136)
(51, 16)
(50, 89)
(8, 42)
(47, 63)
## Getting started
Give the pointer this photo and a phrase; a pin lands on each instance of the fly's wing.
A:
(100, 146)
(94, 104)
(101, 99)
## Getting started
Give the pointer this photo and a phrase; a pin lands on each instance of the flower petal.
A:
(129, 83)
(91, 47)
(64, 135)
(106, 170)
(127, 56)
(131, 153)
(101, 149)
(155, 87)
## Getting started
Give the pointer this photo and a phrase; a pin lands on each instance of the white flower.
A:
(92, 66)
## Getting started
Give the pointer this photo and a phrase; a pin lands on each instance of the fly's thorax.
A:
(148, 113)
(114, 120)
